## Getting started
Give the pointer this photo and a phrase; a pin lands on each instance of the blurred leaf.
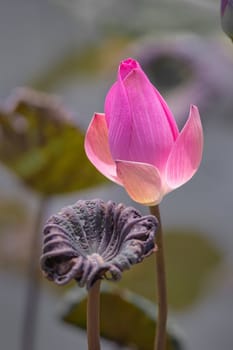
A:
(126, 318)
(40, 143)
(89, 61)
(190, 259)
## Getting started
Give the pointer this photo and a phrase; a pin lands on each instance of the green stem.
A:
(160, 339)
(93, 318)
(33, 282)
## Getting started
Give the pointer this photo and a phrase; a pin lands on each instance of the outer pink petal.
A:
(186, 154)
(141, 181)
(97, 147)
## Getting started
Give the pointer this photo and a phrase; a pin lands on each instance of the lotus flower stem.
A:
(160, 339)
(33, 282)
(93, 327)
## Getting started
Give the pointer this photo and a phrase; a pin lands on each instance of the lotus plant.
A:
(136, 142)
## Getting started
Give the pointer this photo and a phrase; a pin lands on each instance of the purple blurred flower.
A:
(227, 17)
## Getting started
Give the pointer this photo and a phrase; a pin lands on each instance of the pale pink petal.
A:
(186, 154)
(141, 181)
(97, 147)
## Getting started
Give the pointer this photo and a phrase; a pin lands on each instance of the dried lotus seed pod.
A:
(92, 240)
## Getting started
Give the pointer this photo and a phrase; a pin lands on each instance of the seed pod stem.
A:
(93, 318)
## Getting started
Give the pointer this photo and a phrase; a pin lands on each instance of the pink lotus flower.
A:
(137, 144)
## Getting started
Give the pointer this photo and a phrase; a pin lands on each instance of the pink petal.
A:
(126, 67)
(141, 126)
(186, 154)
(141, 181)
(169, 115)
(118, 118)
(97, 147)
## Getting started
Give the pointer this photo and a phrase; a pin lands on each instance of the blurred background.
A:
(71, 49)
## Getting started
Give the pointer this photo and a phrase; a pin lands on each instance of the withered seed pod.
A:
(92, 240)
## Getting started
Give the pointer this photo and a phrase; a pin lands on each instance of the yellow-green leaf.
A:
(190, 259)
(43, 146)
(126, 318)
